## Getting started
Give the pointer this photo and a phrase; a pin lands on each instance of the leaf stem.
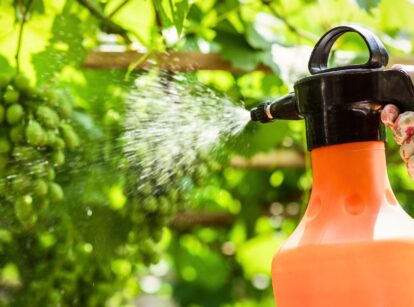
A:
(118, 8)
(24, 12)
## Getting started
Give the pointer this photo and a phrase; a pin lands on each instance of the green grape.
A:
(34, 95)
(202, 171)
(50, 97)
(162, 220)
(58, 157)
(150, 204)
(51, 175)
(35, 134)
(14, 114)
(70, 137)
(17, 134)
(157, 234)
(155, 258)
(164, 205)
(39, 168)
(112, 118)
(162, 181)
(59, 143)
(173, 195)
(21, 83)
(40, 187)
(3, 187)
(11, 171)
(2, 112)
(4, 81)
(51, 137)
(148, 250)
(65, 108)
(138, 217)
(55, 192)
(5, 145)
(47, 117)
(146, 188)
(42, 204)
(23, 208)
(4, 160)
(54, 298)
(148, 245)
(11, 95)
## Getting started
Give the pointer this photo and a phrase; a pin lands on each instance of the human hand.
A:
(402, 126)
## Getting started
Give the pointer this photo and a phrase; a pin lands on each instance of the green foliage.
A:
(74, 231)
(368, 5)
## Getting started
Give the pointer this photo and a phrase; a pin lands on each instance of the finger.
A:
(407, 150)
(389, 114)
(410, 167)
(403, 128)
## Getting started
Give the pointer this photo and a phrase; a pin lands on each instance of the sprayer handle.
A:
(318, 62)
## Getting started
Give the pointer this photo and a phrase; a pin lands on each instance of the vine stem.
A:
(20, 38)
(108, 25)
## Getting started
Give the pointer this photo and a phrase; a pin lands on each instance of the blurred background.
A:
(208, 240)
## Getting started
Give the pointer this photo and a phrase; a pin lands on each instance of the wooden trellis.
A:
(172, 61)
(182, 61)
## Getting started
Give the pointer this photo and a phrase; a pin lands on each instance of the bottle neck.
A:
(351, 169)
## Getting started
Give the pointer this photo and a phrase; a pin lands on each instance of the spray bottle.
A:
(354, 246)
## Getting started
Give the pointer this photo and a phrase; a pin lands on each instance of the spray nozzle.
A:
(261, 113)
(282, 108)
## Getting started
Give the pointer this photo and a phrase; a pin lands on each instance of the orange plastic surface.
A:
(355, 244)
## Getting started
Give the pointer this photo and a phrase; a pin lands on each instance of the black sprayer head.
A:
(343, 104)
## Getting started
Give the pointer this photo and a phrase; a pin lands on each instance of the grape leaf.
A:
(165, 19)
(64, 47)
(195, 13)
(367, 5)
(255, 39)
(235, 49)
(180, 15)
(5, 66)
(267, 59)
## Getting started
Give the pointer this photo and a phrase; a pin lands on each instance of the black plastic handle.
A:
(318, 62)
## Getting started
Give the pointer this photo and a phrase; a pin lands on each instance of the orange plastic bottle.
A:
(355, 245)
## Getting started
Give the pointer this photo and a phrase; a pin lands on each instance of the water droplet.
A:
(261, 281)
(150, 284)
(89, 212)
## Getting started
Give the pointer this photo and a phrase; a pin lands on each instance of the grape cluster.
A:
(160, 201)
(35, 131)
